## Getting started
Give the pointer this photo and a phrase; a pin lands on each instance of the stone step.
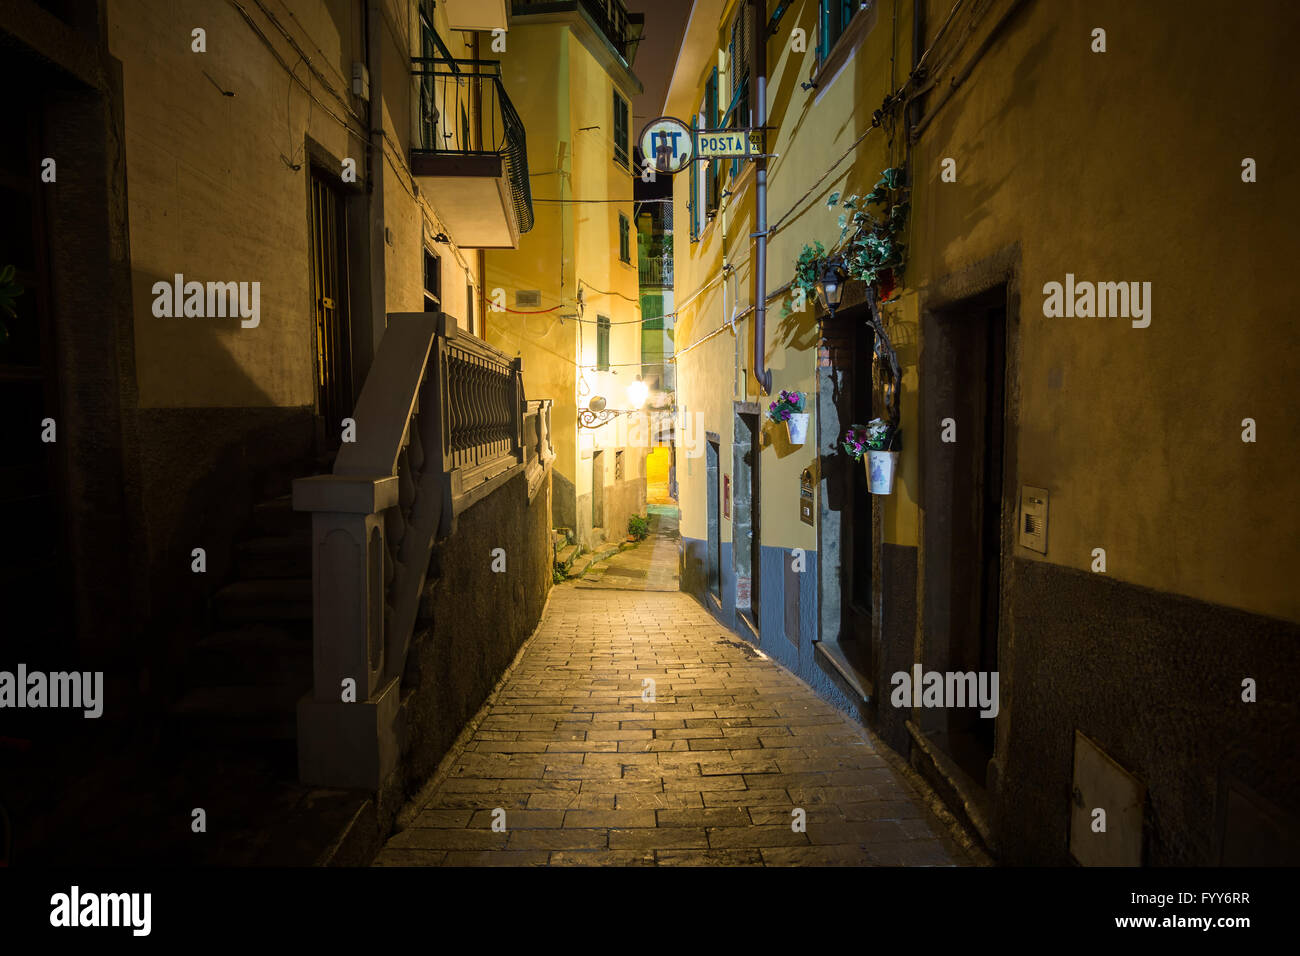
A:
(269, 599)
(238, 712)
(275, 517)
(255, 654)
(564, 559)
(286, 556)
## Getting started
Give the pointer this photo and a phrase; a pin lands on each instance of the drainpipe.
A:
(378, 318)
(758, 9)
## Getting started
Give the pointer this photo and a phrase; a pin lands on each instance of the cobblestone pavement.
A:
(650, 566)
(708, 772)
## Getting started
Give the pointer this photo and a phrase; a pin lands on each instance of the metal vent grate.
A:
(529, 298)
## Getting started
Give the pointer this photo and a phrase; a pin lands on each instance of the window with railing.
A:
(463, 109)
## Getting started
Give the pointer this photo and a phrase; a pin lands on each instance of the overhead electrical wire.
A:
(891, 101)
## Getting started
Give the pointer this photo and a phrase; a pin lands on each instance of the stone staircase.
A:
(245, 677)
(566, 550)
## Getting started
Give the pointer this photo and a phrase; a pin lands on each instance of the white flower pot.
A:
(881, 467)
(797, 427)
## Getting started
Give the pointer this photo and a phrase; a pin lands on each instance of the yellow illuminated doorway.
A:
(658, 465)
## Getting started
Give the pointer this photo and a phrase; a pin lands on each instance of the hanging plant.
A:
(873, 445)
(789, 408)
(785, 405)
(869, 247)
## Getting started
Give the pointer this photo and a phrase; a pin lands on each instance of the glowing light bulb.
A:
(637, 393)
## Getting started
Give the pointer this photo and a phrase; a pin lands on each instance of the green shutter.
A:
(693, 201)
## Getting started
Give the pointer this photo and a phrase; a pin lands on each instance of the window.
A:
(469, 308)
(618, 465)
(620, 129)
(624, 239)
(693, 198)
(739, 53)
(432, 282)
(832, 20)
(602, 343)
(712, 188)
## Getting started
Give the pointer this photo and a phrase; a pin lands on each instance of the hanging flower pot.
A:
(796, 427)
(873, 445)
(788, 408)
(881, 467)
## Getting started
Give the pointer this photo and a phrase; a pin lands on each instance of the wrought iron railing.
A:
(609, 15)
(656, 272)
(463, 110)
(440, 424)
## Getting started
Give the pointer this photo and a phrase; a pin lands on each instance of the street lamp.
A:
(637, 393)
(831, 285)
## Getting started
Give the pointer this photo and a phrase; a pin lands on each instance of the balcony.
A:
(485, 15)
(469, 151)
(656, 272)
(609, 16)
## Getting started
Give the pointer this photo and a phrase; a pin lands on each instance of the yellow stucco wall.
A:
(1102, 165)
(1126, 166)
(212, 196)
(814, 128)
(559, 88)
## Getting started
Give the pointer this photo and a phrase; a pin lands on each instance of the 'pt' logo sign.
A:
(667, 143)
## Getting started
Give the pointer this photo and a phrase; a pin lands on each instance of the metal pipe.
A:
(758, 9)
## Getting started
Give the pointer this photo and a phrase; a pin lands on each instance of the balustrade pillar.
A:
(347, 731)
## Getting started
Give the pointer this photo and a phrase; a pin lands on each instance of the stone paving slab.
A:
(583, 767)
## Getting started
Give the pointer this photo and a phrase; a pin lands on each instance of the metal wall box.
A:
(1102, 784)
(1032, 527)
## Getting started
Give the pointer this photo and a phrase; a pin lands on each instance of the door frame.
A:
(322, 163)
(1003, 268)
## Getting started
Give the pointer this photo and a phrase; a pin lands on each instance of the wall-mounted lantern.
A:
(597, 413)
(830, 287)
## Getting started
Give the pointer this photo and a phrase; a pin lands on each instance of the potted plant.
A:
(788, 408)
(873, 445)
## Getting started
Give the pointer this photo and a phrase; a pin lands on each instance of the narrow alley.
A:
(634, 730)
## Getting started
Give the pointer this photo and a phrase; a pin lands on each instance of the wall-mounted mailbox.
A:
(806, 497)
(1032, 532)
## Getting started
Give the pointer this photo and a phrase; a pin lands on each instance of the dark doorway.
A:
(33, 562)
(965, 371)
(711, 483)
(858, 546)
(597, 490)
(331, 295)
(746, 540)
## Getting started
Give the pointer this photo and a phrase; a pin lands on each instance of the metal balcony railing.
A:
(609, 15)
(656, 272)
(464, 110)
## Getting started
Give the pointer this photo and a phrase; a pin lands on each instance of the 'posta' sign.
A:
(668, 144)
(726, 143)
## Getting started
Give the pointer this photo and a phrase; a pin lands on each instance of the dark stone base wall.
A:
(1155, 679)
(799, 656)
(897, 639)
(476, 621)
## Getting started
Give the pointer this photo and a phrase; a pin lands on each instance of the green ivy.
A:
(868, 244)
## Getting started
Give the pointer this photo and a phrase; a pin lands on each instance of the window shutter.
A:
(693, 200)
